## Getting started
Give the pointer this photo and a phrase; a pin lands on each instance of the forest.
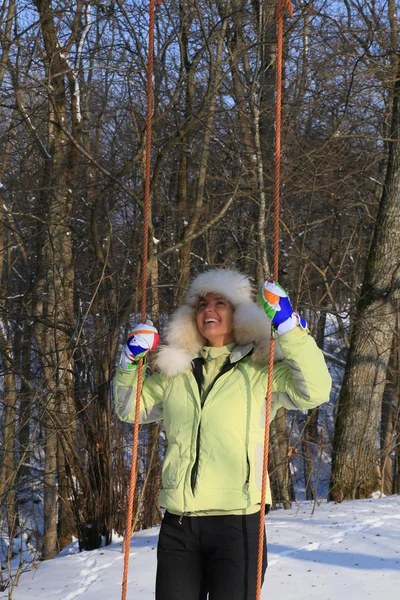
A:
(72, 148)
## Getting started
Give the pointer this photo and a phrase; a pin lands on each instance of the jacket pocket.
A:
(171, 468)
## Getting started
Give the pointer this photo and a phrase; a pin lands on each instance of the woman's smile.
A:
(214, 319)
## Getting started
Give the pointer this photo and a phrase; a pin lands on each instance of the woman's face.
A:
(214, 319)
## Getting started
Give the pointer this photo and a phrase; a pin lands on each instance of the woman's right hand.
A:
(141, 341)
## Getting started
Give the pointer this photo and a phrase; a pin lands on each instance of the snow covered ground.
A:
(347, 551)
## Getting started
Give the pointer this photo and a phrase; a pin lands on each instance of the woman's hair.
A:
(203, 296)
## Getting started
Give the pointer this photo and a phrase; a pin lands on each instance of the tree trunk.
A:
(279, 445)
(216, 78)
(54, 308)
(390, 405)
(267, 41)
(50, 547)
(186, 17)
(151, 513)
(24, 418)
(310, 442)
(355, 472)
(7, 37)
(65, 525)
(396, 467)
(8, 472)
(387, 430)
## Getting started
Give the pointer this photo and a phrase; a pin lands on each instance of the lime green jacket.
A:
(215, 451)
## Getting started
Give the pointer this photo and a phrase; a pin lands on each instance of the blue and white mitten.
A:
(276, 304)
(143, 339)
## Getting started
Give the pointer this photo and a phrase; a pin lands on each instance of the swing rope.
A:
(277, 182)
(146, 214)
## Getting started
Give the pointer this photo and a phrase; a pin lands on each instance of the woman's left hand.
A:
(275, 301)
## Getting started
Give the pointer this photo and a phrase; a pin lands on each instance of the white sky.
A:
(348, 551)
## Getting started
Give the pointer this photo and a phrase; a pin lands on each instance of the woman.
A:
(210, 391)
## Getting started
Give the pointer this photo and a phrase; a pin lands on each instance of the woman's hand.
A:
(275, 301)
(141, 341)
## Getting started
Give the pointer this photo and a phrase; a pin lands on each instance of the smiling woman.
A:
(214, 319)
(210, 392)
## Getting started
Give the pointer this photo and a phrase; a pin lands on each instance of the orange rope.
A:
(146, 213)
(277, 182)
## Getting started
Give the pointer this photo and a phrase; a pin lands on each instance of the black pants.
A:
(214, 555)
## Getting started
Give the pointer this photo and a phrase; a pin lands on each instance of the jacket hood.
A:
(232, 285)
(250, 323)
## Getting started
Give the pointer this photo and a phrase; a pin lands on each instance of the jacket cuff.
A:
(294, 335)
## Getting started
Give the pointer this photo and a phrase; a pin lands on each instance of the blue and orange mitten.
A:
(276, 304)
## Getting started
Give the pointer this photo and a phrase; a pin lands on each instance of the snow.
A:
(348, 551)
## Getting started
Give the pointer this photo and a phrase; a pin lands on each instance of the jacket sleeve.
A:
(151, 399)
(302, 380)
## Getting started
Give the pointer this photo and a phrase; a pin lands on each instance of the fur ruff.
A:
(232, 285)
(251, 325)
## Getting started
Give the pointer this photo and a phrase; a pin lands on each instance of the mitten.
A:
(276, 303)
(141, 341)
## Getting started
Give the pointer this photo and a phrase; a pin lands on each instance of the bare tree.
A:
(355, 471)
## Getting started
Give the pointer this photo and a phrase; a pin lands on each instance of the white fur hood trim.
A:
(184, 341)
(232, 285)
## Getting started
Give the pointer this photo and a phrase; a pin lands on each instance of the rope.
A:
(277, 182)
(146, 213)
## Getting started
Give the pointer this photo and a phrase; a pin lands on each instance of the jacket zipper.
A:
(247, 482)
(195, 468)
(225, 368)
